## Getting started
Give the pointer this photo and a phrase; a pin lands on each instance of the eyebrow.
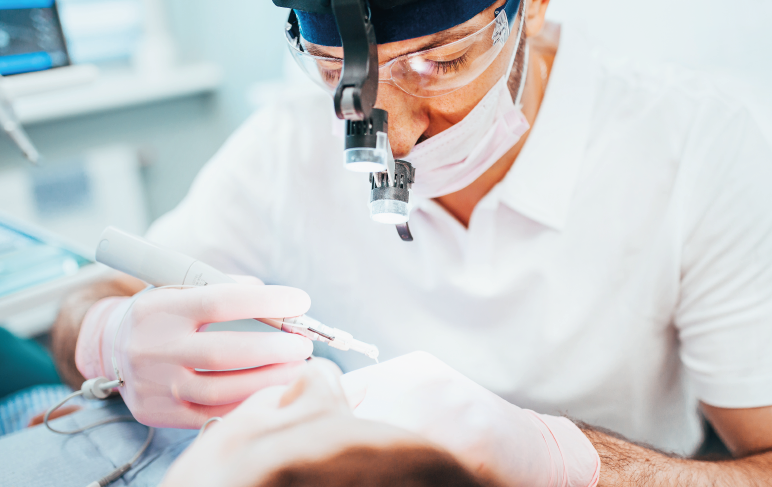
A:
(438, 40)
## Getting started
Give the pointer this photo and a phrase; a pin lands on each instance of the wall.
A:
(244, 36)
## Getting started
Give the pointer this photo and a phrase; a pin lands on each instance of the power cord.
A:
(100, 388)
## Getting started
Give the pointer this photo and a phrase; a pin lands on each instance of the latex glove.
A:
(421, 394)
(262, 428)
(159, 347)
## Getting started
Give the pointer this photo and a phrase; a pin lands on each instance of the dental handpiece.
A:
(163, 267)
(9, 123)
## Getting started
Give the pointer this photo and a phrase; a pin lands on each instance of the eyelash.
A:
(331, 75)
(455, 65)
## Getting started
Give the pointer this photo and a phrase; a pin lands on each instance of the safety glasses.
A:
(424, 74)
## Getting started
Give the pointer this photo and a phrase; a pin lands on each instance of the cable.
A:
(118, 472)
(120, 419)
(99, 389)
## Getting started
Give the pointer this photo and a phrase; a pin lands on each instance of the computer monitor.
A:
(31, 37)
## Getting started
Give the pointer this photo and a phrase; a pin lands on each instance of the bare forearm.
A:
(64, 334)
(627, 464)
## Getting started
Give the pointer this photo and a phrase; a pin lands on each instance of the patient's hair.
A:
(373, 467)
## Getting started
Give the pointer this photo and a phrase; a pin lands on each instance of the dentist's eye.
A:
(331, 76)
(452, 66)
(330, 72)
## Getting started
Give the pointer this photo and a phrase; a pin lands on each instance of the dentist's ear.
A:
(535, 13)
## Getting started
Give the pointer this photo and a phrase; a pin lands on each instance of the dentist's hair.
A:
(374, 467)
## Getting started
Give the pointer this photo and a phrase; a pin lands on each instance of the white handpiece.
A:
(163, 267)
(153, 264)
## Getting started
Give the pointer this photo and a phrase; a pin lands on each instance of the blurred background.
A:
(158, 85)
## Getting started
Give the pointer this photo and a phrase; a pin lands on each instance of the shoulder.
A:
(293, 132)
(683, 125)
(669, 103)
(670, 119)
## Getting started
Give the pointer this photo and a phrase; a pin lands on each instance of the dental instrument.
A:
(12, 126)
(162, 267)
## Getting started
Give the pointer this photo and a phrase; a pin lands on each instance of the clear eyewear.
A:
(424, 74)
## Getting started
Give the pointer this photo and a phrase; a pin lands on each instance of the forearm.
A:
(64, 334)
(627, 464)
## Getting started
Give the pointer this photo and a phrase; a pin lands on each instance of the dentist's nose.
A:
(408, 119)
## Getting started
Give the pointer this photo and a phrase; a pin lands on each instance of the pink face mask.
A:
(453, 159)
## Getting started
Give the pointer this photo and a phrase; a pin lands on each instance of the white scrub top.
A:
(621, 271)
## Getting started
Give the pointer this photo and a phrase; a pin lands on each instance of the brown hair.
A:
(373, 467)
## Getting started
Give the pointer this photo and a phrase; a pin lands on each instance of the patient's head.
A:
(305, 435)
(416, 466)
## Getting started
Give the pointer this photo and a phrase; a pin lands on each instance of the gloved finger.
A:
(262, 400)
(227, 302)
(219, 388)
(355, 385)
(251, 415)
(322, 376)
(330, 368)
(247, 280)
(228, 350)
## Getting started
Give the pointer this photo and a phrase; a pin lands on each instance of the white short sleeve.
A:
(725, 312)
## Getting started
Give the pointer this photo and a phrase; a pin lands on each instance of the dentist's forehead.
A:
(393, 20)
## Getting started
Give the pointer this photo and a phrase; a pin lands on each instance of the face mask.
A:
(455, 158)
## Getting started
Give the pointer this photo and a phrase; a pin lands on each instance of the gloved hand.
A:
(159, 346)
(421, 394)
(253, 441)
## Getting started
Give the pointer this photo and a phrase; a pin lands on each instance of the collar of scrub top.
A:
(393, 20)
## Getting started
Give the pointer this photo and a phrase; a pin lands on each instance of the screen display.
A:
(31, 36)
(26, 261)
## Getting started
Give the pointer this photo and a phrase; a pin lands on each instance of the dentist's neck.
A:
(543, 49)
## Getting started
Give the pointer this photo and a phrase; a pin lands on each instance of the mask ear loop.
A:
(524, 77)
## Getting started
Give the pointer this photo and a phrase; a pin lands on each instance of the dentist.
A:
(591, 240)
